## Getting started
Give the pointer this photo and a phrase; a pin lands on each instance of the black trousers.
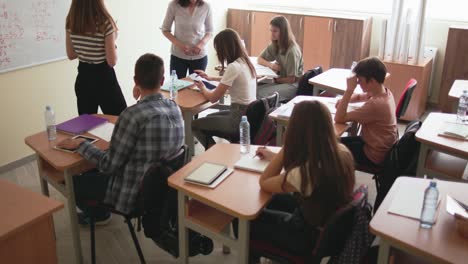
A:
(90, 186)
(97, 86)
(181, 66)
(356, 146)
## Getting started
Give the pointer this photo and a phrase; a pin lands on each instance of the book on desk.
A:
(80, 124)
(455, 131)
(208, 174)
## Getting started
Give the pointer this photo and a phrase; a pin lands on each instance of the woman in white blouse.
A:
(239, 78)
(193, 29)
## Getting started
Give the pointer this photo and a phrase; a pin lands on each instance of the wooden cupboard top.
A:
(238, 195)
(275, 115)
(442, 243)
(21, 207)
(429, 134)
(58, 159)
(308, 13)
(457, 88)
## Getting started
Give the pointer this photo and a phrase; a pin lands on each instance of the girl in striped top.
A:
(90, 37)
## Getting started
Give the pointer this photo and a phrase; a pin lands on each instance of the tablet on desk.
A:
(89, 139)
(206, 173)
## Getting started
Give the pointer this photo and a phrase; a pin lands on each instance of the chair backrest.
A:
(405, 98)
(335, 232)
(257, 113)
(304, 87)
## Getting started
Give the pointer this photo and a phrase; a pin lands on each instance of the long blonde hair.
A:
(88, 17)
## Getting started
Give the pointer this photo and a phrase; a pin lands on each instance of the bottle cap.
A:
(244, 118)
(48, 108)
(433, 184)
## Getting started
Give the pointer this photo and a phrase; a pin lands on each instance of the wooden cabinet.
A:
(239, 20)
(326, 41)
(455, 65)
(400, 74)
(260, 37)
(351, 41)
(318, 36)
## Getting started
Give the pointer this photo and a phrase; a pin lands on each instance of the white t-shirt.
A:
(243, 86)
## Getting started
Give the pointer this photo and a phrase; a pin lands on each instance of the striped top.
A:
(90, 47)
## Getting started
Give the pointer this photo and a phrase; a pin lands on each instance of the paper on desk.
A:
(262, 70)
(453, 207)
(408, 201)
(251, 162)
(103, 131)
(196, 77)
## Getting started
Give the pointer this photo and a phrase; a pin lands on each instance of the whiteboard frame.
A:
(32, 65)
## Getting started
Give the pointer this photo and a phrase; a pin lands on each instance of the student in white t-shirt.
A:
(239, 78)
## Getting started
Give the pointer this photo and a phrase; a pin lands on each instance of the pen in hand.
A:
(259, 154)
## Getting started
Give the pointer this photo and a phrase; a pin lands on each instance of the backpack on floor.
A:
(304, 87)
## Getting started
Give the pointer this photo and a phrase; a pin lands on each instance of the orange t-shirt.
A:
(378, 120)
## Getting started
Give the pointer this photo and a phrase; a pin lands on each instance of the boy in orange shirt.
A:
(376, 116)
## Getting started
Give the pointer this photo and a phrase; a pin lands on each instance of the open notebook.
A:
(180, 84)
(455, 130)
(252, 163)
(408, 201)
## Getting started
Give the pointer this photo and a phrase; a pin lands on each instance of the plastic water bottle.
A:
(462, 107)
(244, 129)
(49, 117)
(431, 195)
(173, 89)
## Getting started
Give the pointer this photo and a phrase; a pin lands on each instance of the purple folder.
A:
(80, 124)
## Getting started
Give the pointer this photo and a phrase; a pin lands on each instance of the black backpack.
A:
(304, 87)
(402, 159)
(158, 202)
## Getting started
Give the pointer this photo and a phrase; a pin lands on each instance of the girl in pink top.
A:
(376, 116)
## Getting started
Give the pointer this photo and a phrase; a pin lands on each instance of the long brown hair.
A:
(286, 38)
(311, 144)
(229, 48)
(88, 17)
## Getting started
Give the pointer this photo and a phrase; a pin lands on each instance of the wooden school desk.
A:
(440, 244)
(27, 232)
(282, 121)
(332, 80)
(434, 148)
(57, 168)
(237, 196)
(191, 102)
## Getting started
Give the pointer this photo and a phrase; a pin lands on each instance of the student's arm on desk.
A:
(272, 179)
(214, 95)
(120, 147)
(262, 61)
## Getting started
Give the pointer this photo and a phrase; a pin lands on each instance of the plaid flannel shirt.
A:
(146, 132)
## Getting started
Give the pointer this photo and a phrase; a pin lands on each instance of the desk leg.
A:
(423, 149)
(384, 252)
(42, 181)
(183, 231)
(73, 217)
(188, 117)
(244, 236)
(316, 91)
(279, 134)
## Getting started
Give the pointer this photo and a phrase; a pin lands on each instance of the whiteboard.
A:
(32, 32)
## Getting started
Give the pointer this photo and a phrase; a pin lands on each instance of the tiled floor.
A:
(113, 242)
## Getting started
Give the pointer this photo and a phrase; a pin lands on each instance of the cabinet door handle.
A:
(248, 19)
(300, 23)
(329, 25)
(253, 18)
(334, 27)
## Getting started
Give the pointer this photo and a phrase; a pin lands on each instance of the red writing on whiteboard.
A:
(41, 14)
(11, 30)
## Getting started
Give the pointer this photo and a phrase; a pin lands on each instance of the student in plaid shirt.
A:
(151, 130)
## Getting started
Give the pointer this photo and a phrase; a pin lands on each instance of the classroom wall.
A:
(26, 92)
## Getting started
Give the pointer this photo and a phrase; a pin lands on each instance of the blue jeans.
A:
(181, 66)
